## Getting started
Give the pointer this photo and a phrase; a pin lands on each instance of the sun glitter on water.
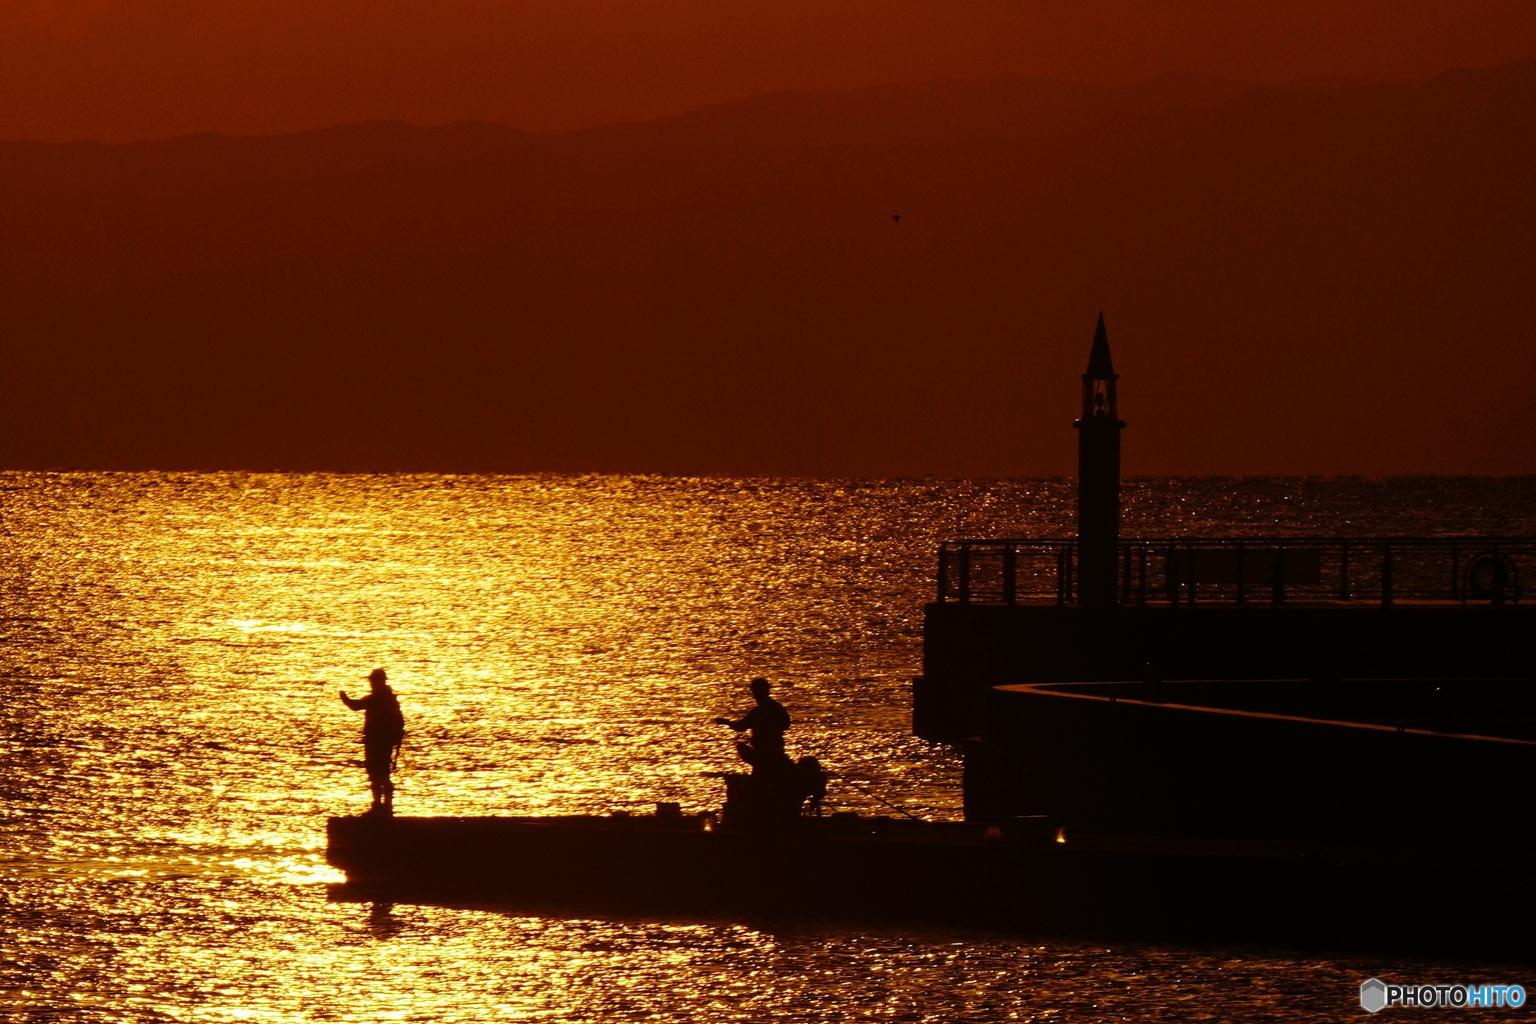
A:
(173, 741)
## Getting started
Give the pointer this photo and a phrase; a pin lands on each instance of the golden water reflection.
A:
(172, 738)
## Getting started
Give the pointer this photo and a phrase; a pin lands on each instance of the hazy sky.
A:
(131, 69)
(1329, 277)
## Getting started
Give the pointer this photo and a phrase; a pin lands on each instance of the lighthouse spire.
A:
(1099, 363)
(1098, 478)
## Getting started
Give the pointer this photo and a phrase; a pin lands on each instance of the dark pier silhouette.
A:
(1369, 700)
(1102, 608)
(1288, 741)
(1023, 874)
(1008, 612)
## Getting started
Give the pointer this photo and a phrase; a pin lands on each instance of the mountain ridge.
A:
(679, 299)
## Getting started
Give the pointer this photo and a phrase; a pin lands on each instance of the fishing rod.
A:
(875, 796)
(869, 793)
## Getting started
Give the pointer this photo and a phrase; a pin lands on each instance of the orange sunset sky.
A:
(116, 70)
(1308, 224)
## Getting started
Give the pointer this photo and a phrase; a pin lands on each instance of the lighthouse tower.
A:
(1098, 479)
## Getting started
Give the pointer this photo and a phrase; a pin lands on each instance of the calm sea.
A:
(171, 741)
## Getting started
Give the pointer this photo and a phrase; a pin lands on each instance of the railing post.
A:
(1456, 594)
(1171, 575)
(1125, 573)
(1242, 569)
(1061, 575)
(965, 573)
(1386, 575)
(1069, 560)
(1344, 571)
(1010, 574)
(1277, 576)
(1141, 595)
(943, 573)
(1192, 578)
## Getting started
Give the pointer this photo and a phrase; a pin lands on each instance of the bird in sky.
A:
(896, 217)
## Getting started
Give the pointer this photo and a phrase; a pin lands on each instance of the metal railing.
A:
(1240, 570)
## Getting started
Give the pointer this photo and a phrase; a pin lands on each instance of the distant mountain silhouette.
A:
(125, 70)
(1324, 279)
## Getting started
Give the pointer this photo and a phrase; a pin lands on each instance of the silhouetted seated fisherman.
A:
(765, 725)
(771, 797)
(383, 732)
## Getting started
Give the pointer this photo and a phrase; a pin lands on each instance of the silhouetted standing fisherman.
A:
(383, 731)
(767, 723)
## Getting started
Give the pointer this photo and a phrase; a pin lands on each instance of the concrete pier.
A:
(1020, 875)
(1401, 764)
(970, 647)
